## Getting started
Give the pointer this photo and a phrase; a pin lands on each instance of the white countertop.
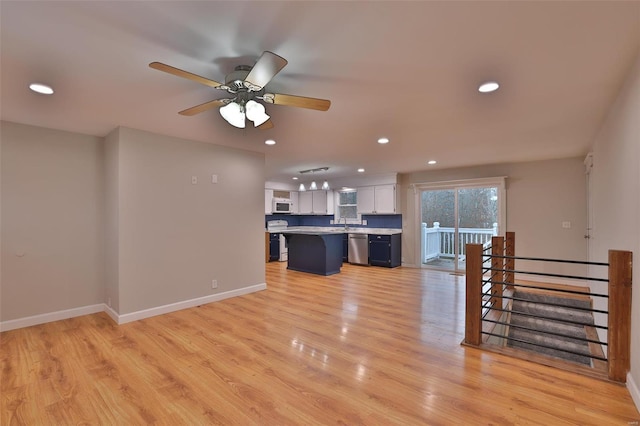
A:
(339, 230)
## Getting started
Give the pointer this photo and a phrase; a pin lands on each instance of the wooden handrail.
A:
(619, 318)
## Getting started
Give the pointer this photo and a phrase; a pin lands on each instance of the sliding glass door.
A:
(454, 215)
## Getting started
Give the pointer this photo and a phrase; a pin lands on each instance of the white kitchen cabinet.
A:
(305, 202)
(315, 202)
(385, 199)
(380, 199)
(319, 202)
(268, 201)
(294, 202)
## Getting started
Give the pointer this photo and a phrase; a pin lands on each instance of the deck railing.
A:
(439, 242)
(492, 295)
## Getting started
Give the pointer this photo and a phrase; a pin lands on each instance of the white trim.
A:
(122, 319)
(113, 314)
(172, 307)
(50, 317)
(633, 390)
(498, 181)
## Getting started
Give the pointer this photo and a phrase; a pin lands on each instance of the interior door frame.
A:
(498, 182)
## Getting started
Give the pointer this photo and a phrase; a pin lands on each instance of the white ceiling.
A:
(405, 70)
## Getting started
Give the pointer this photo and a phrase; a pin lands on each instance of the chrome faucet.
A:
(346, 228)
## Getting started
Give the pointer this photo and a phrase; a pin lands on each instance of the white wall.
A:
(615, 196)
(175, 237)
(52, 214)
(89, 220)
(540, 196)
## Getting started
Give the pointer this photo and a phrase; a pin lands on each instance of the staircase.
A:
(531, 327)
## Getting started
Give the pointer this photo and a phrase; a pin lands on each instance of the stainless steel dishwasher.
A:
(359, 249)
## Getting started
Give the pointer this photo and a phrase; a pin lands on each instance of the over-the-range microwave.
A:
(281, 205)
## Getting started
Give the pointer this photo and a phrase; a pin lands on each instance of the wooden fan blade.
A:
(301, 102)
(203, 107)
(266, 125)
(184, 74)
(268, 65)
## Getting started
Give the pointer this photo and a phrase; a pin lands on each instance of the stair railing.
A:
(491, 293)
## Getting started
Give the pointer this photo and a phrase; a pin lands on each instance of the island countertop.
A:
(320, 230)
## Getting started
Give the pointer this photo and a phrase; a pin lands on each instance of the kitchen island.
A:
(316, 252)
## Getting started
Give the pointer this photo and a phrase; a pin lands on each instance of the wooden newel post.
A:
(497, 277)
(510, 250)
(473, 322)
(619, 322)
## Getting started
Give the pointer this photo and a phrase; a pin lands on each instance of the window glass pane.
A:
(348, 197)
(350, 212)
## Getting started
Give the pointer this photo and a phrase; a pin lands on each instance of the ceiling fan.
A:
(246, 84)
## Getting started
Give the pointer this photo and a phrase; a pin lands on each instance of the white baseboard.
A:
(172, 307)
(633, 390)
(50, 317)
(122, 319)
(113, 314)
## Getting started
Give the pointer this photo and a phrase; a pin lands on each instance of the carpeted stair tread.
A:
(557, 345)
(560, 313)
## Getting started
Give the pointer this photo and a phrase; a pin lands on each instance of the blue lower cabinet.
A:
(274, 247)
(384, 250)
(315, 253)
(345, 247)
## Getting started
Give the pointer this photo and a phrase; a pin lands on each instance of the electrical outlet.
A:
(214, 178)
(194, 180)
(214, 283)
(109, 302)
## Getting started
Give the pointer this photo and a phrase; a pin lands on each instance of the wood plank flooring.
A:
(368, 346)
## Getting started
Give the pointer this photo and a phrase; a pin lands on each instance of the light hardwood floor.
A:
(369, 346)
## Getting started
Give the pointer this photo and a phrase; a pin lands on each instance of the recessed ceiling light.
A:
(432, 162)
(270, 142)
(295, 178)
(489, 86)
(383, 140)
(360, 170)
(41, 88)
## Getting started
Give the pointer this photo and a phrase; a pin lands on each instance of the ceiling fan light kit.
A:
(256, 113)
(247, 85)
(234, 114)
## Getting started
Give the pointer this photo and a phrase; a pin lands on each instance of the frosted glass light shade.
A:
(302, 188)
(325, 185)
(232, 112)
(313, 186)
(256, 113)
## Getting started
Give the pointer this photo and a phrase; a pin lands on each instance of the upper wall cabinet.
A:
(268, 200)
(315, 202)
(295, 204)
(380, 199)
